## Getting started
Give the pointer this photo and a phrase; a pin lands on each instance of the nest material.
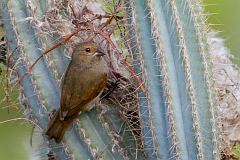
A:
(227, 78)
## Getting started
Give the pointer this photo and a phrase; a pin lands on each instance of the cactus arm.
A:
(151, 77)
(171, 42)
(197, 75)
(179, 110)
(22, 68)
(30, 51)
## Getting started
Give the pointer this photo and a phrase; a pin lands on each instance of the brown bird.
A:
(84, 80)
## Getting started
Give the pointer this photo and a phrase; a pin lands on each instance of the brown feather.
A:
(85, 78)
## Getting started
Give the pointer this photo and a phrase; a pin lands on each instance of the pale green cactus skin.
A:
(179, 114)
(177, 111)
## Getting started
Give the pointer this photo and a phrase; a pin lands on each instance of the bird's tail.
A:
(57, 127)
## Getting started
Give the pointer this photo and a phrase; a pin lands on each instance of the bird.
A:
(84, 80)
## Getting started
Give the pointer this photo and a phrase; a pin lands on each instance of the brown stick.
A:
(67, 38)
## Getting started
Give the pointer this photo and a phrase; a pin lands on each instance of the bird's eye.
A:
(87, 49)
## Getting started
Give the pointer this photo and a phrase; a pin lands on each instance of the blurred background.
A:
(14, 139)
(224, 17)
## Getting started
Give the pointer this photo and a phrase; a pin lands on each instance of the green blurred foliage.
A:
(224, 17)
(236, 150)
(14, 135)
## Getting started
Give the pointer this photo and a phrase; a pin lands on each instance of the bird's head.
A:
(88, 51)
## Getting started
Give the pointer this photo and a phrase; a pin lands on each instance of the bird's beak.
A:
(99, 52)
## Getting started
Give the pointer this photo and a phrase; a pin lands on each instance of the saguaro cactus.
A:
(175, 107)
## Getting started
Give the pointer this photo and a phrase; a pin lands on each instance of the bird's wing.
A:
(88, 97)
(65, 89)
(79, 90)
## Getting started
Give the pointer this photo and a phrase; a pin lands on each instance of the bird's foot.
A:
(51, 113)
